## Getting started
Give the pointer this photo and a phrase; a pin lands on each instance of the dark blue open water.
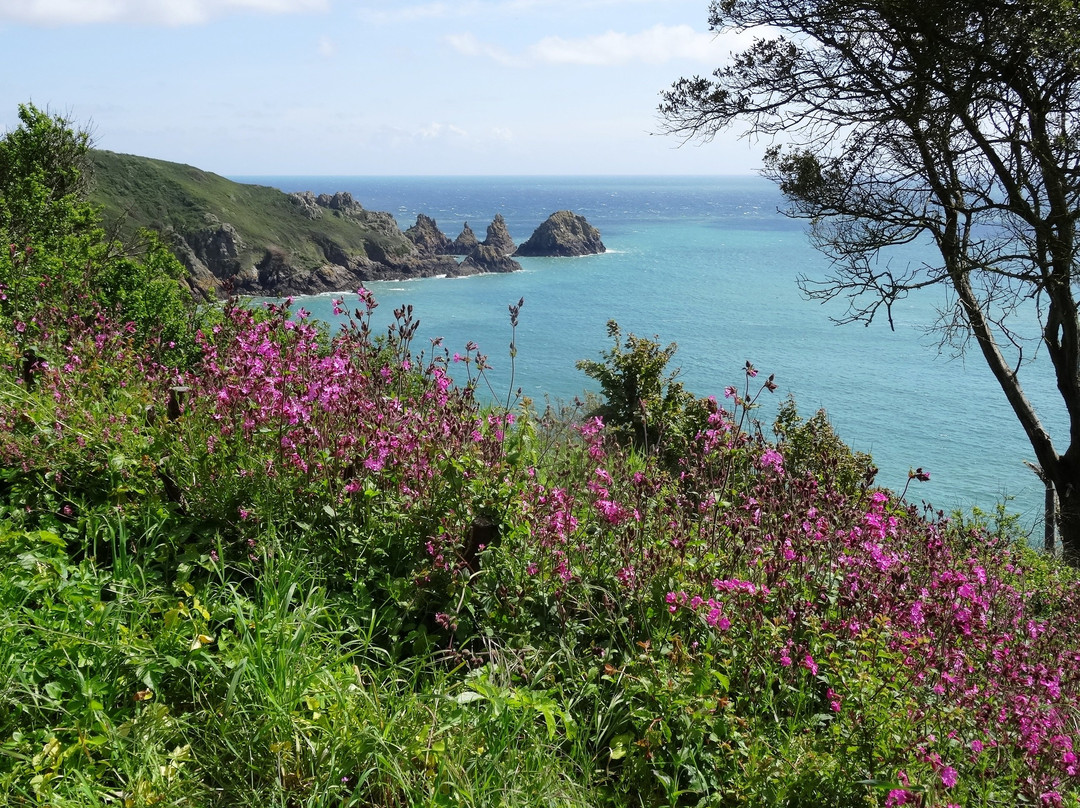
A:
(710, 264)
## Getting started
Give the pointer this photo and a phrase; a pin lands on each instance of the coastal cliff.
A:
(256, 240)
(251, 239)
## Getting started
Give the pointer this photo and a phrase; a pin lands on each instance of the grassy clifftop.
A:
(226, 231)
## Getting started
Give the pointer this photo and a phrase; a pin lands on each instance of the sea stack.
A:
(428, 238)
(498, 237)
(466, 241)
(564, 233)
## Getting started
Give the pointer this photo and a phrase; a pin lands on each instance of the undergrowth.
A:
(328, 575)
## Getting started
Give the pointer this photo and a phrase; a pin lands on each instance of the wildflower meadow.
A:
(311, 568)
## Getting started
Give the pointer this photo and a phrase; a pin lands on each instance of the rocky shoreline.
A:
(215, 254)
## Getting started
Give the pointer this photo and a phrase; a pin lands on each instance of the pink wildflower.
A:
(772, 460)
(834, 700)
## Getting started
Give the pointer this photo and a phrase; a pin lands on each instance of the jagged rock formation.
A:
(564, 233)
(489, 259)
(498, 237)
(491, 255)
(219, 261)
(480, 257)
(342, 202)
(305, 200)
(428, 238)
(466, 241)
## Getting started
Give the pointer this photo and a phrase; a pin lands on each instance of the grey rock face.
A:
(428, 238)
(342, 202)
(489, 259)
(564, 233)
(307, 203)
(498, 237)
(466, 241)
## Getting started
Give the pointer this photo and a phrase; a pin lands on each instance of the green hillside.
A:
(139, 192)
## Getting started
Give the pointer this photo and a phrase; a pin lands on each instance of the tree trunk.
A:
(1068, 492)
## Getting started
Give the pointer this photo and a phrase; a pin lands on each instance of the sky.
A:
(361, 87)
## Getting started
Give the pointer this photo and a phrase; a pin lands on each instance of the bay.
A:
(710, 263)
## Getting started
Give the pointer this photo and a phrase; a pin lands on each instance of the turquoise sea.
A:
(710, 263)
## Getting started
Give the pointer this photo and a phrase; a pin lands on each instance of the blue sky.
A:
(372, 86)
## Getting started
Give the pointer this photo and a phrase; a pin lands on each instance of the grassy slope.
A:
(143, 192)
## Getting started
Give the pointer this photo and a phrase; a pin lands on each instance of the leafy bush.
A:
(811, 446)
(641, 398)
(60, 263)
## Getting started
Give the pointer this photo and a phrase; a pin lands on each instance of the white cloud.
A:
(435, 131)
(655, 45)
(469, 45)
(439, 9)
(327, 47)
(153, 12)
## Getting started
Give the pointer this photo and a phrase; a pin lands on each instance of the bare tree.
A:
(949, 122)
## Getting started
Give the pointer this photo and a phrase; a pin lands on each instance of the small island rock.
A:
(564, 233)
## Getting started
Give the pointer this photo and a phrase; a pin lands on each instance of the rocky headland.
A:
(221, 260)
(236, 238)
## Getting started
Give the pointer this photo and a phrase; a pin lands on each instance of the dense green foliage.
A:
(310, 569)
(42, 178)
(60, 262)
(640, 395)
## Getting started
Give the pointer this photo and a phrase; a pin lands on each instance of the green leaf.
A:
(619, 745)
(49, 537)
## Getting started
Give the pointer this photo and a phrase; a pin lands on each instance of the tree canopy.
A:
(952, 122)
(58, 258)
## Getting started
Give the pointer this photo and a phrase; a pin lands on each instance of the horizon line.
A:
(488, 176)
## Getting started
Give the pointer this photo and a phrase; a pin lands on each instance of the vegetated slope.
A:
(253, 238)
